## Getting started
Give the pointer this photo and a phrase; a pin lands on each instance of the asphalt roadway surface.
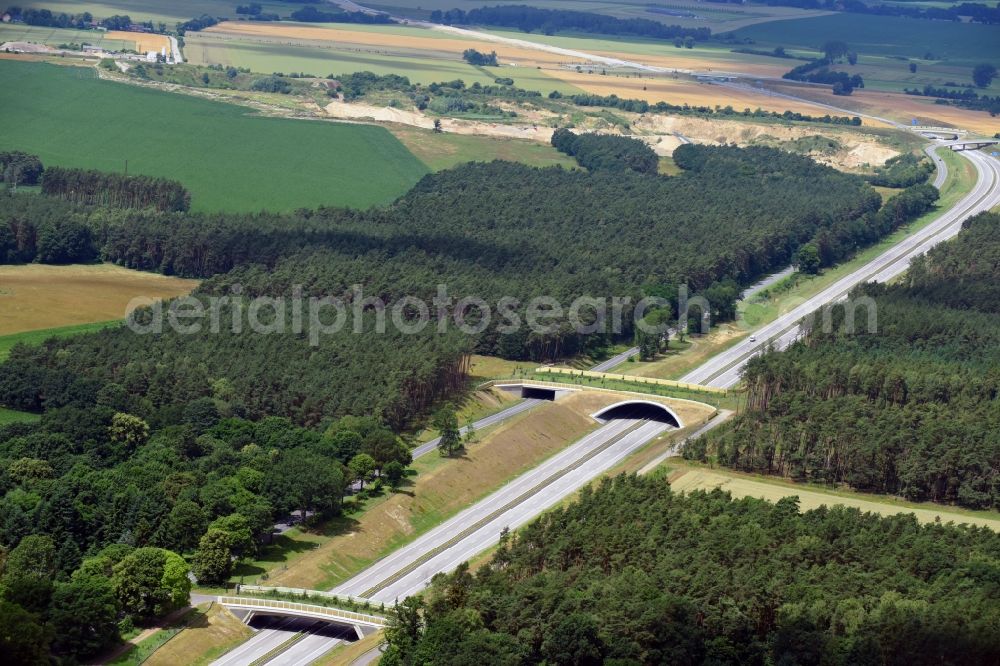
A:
(410, 568)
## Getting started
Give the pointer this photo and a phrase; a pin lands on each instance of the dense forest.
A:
(632, 573)
(101, 511)
(606, 152)
(551, 21)
(544, 236)
(912, 409)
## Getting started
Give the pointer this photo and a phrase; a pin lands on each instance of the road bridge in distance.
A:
(971, 144)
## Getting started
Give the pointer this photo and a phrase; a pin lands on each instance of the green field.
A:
(443, 151)
(8, 416)
(968, 43)
(7, 342)
(58, 36)
(229, 158)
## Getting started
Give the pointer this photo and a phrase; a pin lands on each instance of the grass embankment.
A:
(209, 633)
(140, 652)
(686, 477)
(228, 157)
(789, 293)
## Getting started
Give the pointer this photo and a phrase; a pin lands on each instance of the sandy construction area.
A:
(857, 148)
(385, 114)
(36, 296)
(144, 42)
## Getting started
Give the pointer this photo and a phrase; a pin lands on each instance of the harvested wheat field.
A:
(415, 39)
(37, 296)
(445, 486)
(772, 491)
(144, 41)
(903, 108)
(681, 91)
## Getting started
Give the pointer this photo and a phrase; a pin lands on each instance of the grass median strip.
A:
(496, 513)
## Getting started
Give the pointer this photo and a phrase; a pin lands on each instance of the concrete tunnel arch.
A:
(647, 409)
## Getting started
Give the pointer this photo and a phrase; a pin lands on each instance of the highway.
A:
(615, 360)
(266, 640)
(725, 369)
(410, 568)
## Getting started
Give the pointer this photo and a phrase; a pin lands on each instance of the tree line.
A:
(115, 190)
(551, 21)
(633, 573)
(642, 106)
(606, 152)
(910, 409)
(976, 12)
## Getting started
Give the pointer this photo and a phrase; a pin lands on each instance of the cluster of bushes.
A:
(115, 190)
(271, 84)
(551, 21)
(196, 24)
(606, 152)
(818, 71)
(474, 57)
(903, 171)
(903, 401)
(633, 573)
(17, 168)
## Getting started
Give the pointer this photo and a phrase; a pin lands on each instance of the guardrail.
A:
(305, 610)
(635, 379)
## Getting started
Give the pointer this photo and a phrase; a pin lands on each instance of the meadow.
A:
(228, 157)
(967, 43)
